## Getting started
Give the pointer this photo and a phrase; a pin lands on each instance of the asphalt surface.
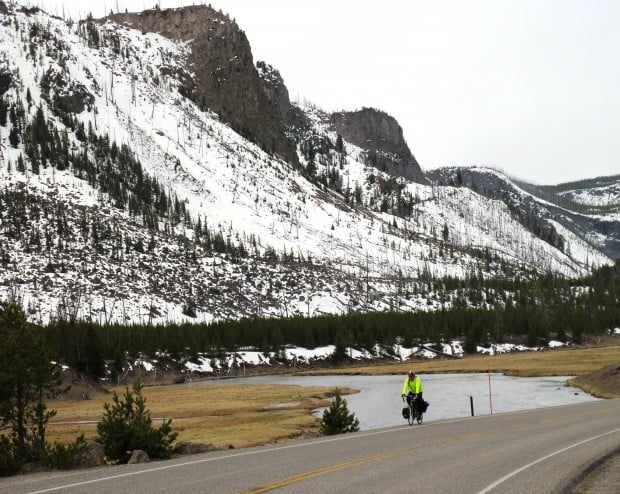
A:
(550, 450)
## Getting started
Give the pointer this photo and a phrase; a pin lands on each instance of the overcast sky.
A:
(531, 87)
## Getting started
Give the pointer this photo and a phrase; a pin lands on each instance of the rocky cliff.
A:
(254, 99)
(382, 137)
(296, 122)
(226, 80)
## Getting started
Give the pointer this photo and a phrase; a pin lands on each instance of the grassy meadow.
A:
(238, 415)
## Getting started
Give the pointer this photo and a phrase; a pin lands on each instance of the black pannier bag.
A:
(406, 413)
(425, 407)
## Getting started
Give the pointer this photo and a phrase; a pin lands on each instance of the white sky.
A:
(526, 86)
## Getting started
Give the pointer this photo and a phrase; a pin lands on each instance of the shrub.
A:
(126, 426)
(9, 460)
(67, 456)
(337, 419)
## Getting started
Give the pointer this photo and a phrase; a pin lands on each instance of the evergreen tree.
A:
(14, 137)
(4, 108)
(340, 352)
(337, 419)
(28, 376)
(339, 144)
(127, 425)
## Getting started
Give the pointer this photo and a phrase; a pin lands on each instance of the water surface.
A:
(379, 403)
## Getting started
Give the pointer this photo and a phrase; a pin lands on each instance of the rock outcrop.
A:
(226, 79)
(275, 89)
(94, 456)
(293, 117)
(382, 137)
(254, 100)
(138, 456)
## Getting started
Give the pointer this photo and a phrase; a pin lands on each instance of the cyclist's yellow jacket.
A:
(414, 385)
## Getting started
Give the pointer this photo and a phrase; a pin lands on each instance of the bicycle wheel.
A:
(411, 417)
(419, 418)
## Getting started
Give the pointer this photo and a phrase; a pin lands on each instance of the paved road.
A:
(533, 451)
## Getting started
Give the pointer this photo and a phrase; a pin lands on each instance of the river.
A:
(378, 404)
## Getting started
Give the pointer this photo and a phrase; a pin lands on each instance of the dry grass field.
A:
(223, 415)
(557, 362)
(237, 415)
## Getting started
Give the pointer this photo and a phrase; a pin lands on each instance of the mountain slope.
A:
(126, 197)
(586, 210)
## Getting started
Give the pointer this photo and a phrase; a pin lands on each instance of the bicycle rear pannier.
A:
(406, 413)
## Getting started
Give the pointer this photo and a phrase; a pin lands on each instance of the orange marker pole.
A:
(490, 395)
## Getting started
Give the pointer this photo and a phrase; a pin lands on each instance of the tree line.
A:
(542, 309)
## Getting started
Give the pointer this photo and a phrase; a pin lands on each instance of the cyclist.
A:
(412, 389)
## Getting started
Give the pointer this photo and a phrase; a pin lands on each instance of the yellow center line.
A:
(332, 468)
(341, 466)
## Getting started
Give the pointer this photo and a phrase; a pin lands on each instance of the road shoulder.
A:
(602, 477)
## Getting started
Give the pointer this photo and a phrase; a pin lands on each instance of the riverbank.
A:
(239, 415)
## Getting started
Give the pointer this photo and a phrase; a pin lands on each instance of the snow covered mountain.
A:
(150, 171)
(597, 192)
(589, 209)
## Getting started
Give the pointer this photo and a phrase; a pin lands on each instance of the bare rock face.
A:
(277, 94)
(275, 89)
(226, 79)
(382, 137)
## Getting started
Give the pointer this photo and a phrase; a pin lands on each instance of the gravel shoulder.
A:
(602, 478)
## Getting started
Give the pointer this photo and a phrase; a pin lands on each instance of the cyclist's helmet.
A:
(411, 373)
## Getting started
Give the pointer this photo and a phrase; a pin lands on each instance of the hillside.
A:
(589, 209)
(142, 182)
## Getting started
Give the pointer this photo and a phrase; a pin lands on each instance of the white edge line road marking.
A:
(206, 460)
(559, 451)
(290, 446)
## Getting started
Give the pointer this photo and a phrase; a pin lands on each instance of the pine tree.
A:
(4, 108)
(14, 136)
(337, 419)
(339, 144)
(27, 378)
(127, 426)
(340, 352)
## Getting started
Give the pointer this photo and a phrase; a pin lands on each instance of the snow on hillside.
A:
(582, 234)
(607, 195)
(299, 356)
(237, 189)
